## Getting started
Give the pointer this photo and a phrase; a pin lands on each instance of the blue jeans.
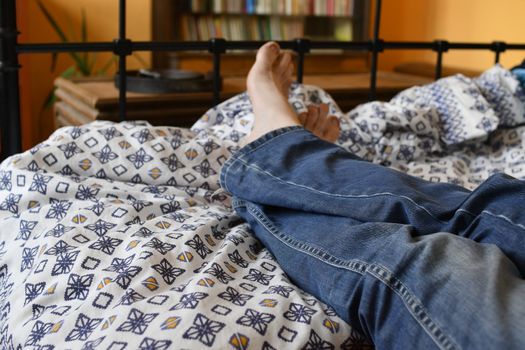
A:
(409, 263)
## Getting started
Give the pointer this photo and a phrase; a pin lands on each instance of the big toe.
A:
(267, 54)
(332, 129)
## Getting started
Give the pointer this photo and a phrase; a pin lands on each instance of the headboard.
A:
(122, 47)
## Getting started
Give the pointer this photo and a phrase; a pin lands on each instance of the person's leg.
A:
(319, 177)
(359, 237)
(349, 186)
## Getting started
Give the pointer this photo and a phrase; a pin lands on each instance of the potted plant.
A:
(83, 63)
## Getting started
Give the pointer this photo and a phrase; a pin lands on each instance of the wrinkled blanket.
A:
(116, 236)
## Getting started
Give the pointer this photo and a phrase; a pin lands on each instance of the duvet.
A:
(117, 236)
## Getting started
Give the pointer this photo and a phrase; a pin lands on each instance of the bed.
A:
(117, 235)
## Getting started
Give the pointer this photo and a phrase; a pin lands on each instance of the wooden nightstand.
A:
(84, 100)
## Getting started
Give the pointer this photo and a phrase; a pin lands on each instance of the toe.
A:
(322, 120)
(285, 60)
(312, 118)
(268, 54)
(333, 129)
(302, 117)
(323, 110)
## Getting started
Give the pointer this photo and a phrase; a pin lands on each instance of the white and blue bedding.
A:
(117, 236)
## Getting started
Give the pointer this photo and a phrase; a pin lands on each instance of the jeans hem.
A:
(251, 147)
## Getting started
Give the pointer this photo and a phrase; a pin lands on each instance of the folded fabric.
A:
(457, 129)
(519, 73)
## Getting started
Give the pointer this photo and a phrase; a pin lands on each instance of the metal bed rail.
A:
(123, 47)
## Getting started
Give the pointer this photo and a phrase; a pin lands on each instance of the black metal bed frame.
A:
(123, 47)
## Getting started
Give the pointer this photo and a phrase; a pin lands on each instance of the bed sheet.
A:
(458, 130)
(117, 236)
(113, 236)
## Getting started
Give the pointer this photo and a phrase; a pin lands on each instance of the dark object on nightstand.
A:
(167, 81)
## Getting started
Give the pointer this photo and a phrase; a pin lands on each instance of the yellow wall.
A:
(102, 24)
(454, 20)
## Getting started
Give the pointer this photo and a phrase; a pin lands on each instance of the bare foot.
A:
(319, 123)
(267, 83)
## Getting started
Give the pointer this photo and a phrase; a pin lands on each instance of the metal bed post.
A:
(440, 46)
(498, 47)
(9, 94)
(123, 48)
(217, 48)
(376, 47)
(302, 46)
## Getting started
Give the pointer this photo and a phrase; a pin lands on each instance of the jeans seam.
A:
(496, 216)
(379, 272)
(251, 147)
(414, 306)
(503, 217)
(314, 252)
(273, 137)
(256, 168)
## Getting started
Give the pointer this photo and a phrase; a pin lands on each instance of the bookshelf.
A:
(191, 20)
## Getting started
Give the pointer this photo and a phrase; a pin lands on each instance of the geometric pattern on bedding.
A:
(114, 236)
(457, 130)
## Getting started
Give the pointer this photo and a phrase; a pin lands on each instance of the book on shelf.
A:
(343, 30)
(204, 27)
(267, 7)
(265, 19)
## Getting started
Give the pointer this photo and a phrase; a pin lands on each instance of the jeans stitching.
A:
(496, 216)
(320, 254)
(382, 274)
(251, 147)
(414, 306)
(256, 168)
(503, 217)
(269, 137)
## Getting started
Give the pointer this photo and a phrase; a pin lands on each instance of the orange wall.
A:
(454, 20)
(36, 79)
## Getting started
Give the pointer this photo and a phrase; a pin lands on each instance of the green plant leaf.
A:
(140, 59)
(71, 30)
(83, 36)
(105, 67)
(91, 63)
(50, 100)
(57, 29)
(81, 64)
(83, 25)
(52, 21)
(84, 67)
(69, 72)
(54, 57)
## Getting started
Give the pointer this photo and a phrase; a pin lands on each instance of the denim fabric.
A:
(409, 263)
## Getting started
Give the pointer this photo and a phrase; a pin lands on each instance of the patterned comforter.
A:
(117, 236)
